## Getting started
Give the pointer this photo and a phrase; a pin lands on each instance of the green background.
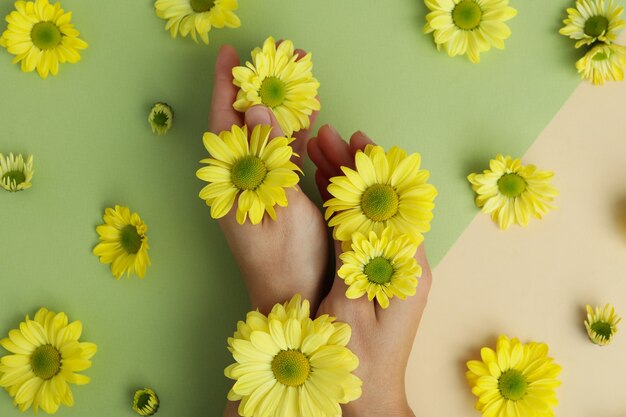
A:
(93, 149)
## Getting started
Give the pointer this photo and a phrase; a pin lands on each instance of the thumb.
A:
(261, 115)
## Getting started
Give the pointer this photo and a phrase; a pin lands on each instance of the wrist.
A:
(376, 409)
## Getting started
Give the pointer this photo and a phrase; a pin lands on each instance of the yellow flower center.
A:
(511, 185)
(596, 26)
(130, 239)
(200, 6)
(512, 385)
(273, 92)
(291, 368)
(17, 176)
(467, 15)
(248, 173)
(45, 361)
(380, 202)
(379, 270)
(45, 35)
(602, 329)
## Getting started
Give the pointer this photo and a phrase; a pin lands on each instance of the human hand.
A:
(381, 338)
(277, 258)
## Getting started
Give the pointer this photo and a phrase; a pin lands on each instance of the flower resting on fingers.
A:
(41, 36)
(46, 356)
(280, 80)
(145, 402)
(514, 380)
(15, 174)
(290, 365)
(258, 171)
(123, 242)
(601, 324)
(386, 190)
(592, 21)
(381, 267)
(512, 192)
(603, 63)
(161, 118)
(469, 27)
(197, 17)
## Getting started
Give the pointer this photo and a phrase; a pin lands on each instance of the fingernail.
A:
(258, 115)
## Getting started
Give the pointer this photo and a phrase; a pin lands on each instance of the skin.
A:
(275, 263)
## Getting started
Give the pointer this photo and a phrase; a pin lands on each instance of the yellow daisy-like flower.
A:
(386, 190)
(511, 192)
(15, 173)
(603, 63)
(41, 36)
(259, 171)
(197, 17)
(601, 324)
(381, 267)
(515, 380)
(46, 356)
(469, 27)
(592, 21)
(290, 365)
(280, 80)
(123, 242)
(145, 402)
(161, 118)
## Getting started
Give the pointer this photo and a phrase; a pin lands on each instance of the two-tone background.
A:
(93, 148)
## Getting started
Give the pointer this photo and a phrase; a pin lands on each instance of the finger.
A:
(359, 309)
(334, 148)
(301, 53)
(302, 137)
(407, 313)
(319, 159)
(222, 115)
(322, 182)
(261, 115)
(359, 141)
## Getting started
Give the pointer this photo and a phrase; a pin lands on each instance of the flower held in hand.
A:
(258, 171)
(290, 365)
(280, 80)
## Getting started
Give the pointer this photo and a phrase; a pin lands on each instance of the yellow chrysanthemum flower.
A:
(386, 190)
(511, 192)
(603, 63)
(592, 21)
(290, 365)
(46, 356)
(601, 324)
(145, 402)
(280, 80)
(258, 171)
(515, 380)
(15, 173)
(469, 27)
(161, 118)
(41, 36)
(381, 267)
(123, 242)
(197, 17)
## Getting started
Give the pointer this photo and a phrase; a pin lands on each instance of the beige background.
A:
(534, 283)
